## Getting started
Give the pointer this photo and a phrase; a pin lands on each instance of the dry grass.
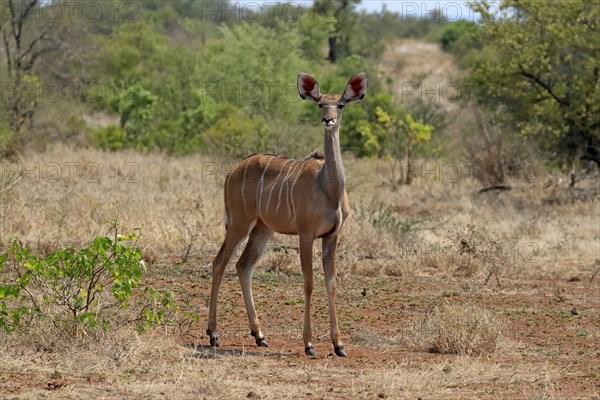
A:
(178, 204)
(155, 366)
(465, 329)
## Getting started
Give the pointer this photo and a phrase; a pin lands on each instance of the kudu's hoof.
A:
(310, 351)
(214, 340)
(260, 341)
(339, 351)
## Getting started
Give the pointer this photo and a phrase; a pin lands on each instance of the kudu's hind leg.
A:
(257, 243)
(233, 237)
(329, 250)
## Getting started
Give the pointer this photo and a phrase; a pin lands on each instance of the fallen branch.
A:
(495, 187)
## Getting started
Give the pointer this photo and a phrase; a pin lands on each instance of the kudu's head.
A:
(331, 105)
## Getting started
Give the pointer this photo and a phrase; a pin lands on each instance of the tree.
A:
(396, 139)
(23, 45)
(342, 12)
(539, 62)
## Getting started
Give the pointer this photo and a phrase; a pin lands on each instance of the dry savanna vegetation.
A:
(443, 292)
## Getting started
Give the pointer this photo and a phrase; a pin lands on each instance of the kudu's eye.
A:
(341, 106)
(320, 105)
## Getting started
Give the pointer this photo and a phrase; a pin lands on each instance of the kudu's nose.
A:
(327, 120)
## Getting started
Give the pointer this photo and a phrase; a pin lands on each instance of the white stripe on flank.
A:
(284, 182)
(275, 183)
(243, 185)
(292, 193)
(228, 215)
(261, 184)
(287, 191)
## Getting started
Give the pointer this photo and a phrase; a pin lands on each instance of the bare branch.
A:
(7, 51)
(34, 42)
(546, 86)
(37, 54)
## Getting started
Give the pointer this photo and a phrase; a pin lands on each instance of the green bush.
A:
(453, 33)
(237, 134)
(78, 291)
(545, 84)
(109, 138)
(255, 68)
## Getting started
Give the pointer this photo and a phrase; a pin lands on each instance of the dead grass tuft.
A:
(459, 329)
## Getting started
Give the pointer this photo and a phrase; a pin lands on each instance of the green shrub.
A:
(255, 67)
(238, 135)
(453, 33)
(78, 291)
(108, 138)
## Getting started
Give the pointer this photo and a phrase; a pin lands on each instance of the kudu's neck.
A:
(333, 177)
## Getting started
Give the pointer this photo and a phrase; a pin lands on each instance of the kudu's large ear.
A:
(355, 89)
(308, 88)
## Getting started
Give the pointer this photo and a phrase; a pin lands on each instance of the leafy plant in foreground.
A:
(79, 290)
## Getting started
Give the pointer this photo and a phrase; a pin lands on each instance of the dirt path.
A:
(422, 71)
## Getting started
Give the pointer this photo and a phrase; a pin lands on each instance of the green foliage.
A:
(134, 103)
(376, 130)
(255, 68)
(236, 134)
(361, 133)
(184, 134)
(167, 75)
(540, 62)
(135, 106)
(452, 34)
(77, 290)
(375, 31)
(217, 98)
(170, 75)
(109, 138)
(341, 13)
(131, 52)
(402, 138)
(402, 134)
(314, 31)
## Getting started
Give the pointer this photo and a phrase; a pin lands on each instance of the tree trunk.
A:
(332, 57)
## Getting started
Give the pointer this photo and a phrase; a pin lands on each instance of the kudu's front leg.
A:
(329, 250)
(306, 246)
